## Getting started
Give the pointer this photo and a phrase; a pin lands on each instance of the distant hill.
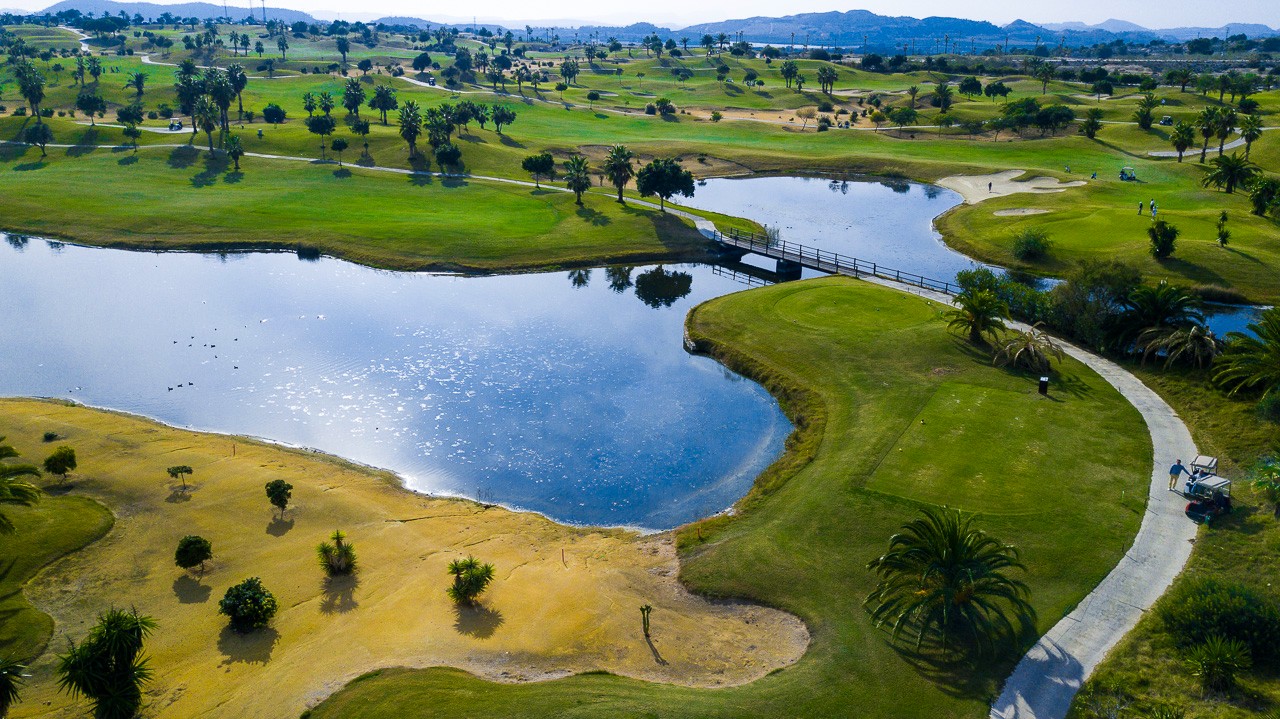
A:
(1128, 30)
(237, 9)
(419, 22)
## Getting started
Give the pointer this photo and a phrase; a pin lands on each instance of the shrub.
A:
(248, 605)
(193, 551)
(249, 115)
(61, 462)
(1198, 609)
(153, 115)
(273, 114)
(19, 112)
(165, 111)
(824, 123)
(651, 109)
(470, 578)
(826, 106)
(1218, 293)
(1031, 245)
(46, 112)
(1269, 407)
(337, 558)
(716, 116)
(448, 155)
(1163, 238)
(1217, 662)
(50, 436)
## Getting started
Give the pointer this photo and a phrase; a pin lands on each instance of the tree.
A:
(137, 81)
(1145, 114)
(361, 128)
(279, 492)
(1030, 348)
(326, 103)
(39, 135)
(1163, 237)
(827, 77)
(15, 490)
(946, 580)
(789, 70)
(806, 114)
(91, 104)
(502, 115)
(421, 63)
(1181, 77)
(665, 178)
(978, 313)
(1092, 123)
(1161, 306)
(1229, 172)
(1226, 125)
(1251, 361)
(592, 98)
(61, 462)
(107, 667)
(1250, 131)
(235, 150)
(337, 556)
(1264, 194)
(577, 177)
(943, 97)
(969, 87)
(539, 166)
(283, 44)
(410, 122)
(1207, 124)
(1182, 137)
(1195, 345)
(248, 605)
(470, 578)
(1045, 73)
(903, 116)
(193, 551)
(11, 682)
(365, 66)
(309, 102)
(448, 154)
(878, 118)
(339, 145)
(239, 81)
(353, 96)
(180, 472)
(618, 167)
(384, 101)
(273, 113)
(204, 116)
(344, 47)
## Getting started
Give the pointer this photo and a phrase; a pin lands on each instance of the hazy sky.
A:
(1149, 13)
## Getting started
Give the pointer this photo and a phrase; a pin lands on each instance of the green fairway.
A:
(833, 351)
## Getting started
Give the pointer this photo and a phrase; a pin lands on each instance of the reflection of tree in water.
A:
(841, 186)
(17, 242)
(619, 278)
(660, 288)
(899, 186)
(579, 278)
(932, 192)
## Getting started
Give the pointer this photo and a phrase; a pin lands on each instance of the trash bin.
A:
(1044, 386)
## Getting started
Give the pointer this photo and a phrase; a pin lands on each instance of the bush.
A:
(153, 115)
(651, 109)
(448, 155)
(165, 111)
(1196, 610)
(50, 436)
(1218, 293)
(20, 112)
(470, 578)
(826, 106)
(46, 112)
(273, 114)
(1217, 662)
(1031, 245)
(716, 116)
(1269, 407)
(337, 558)
(248, 605)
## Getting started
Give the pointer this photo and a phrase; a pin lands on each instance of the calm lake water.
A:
(569, 394)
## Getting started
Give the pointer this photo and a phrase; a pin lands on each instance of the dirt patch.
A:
(1019, 212)
(976, 188)
(565, 600)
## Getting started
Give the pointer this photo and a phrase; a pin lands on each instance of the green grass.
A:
(833, 351)
(1244, 548)
(45, 37)
(56, 526)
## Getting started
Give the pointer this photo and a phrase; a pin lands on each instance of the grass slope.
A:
(875, 441)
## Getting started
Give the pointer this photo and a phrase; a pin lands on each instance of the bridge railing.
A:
(827, 261)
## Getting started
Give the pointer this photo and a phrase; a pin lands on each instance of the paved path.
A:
(1238, 142)
(1049, 675)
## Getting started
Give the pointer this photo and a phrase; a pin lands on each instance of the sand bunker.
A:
(1019, 212)
(976, 188)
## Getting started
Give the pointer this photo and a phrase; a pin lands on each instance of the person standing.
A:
(1140, 207)
(1176, 471)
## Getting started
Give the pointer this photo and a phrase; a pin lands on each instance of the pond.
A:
(566, 394)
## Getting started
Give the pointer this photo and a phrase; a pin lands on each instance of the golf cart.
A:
(1127, 175)
(1209, 493)
(1166, 121)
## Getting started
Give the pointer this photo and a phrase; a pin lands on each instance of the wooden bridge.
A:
(791, 257)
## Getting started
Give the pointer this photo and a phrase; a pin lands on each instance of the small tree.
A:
(592, 98)
(577, 176)
(39, 135)
(470, 578)
(322, 125)
(248, 605)
(235, 150)
(279, 492)
(193, 551)
(61, 462)
(273, 114)
(1163, 237)
(339, 557)
(180, 472)
(339, 146)
(665, 178)
(539, 166)
(448, 155)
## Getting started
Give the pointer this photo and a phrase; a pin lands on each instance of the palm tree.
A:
(14, 489)
(239, 81)
(107, 667)
(944, 579)
(979, 314)
(618, 167)
(11, 681)
(309, 102)
(205, 117)
(1196, 345)
(943, 97)
(1229, 172)
(384, 100)
(576, 176)
(1162, 306)
(235, 150)
(1031, 348)
(1045, 73)
(1183, 137)
(1251, 362)
(1207, 124)
(912, 92)
(326, 102)
(1264, 194)
(137, 81)
(827, 77)
(410, 122)
(1226, 125)
(1163, 238)
(1250, 131)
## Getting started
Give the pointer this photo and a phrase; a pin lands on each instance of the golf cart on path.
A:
(1209, 493)
(1128, 175)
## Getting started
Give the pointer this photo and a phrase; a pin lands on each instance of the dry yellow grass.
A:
(541, 618)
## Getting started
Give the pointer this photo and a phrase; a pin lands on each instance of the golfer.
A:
(1177, 470)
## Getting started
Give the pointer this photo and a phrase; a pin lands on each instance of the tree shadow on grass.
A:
(453, 182)
(1244, 255)
(233, 178)
(279, 527)
(1199, 273)
(339, 594)
(476, 620)
(190, 590)
(85, 144)
(421, 179)
(177, 495)
(249, 647)
(657, 657)
(366, 160)
(510, 142)
(342, 173)
(957, 674)
(183, 157)
(30, 166)
(213, 169)
(128, 160)
(595, 217)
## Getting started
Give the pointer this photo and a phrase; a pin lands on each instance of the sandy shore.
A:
(976, 188)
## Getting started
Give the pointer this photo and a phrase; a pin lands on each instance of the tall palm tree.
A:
(137, 81)
(618, 167)
(410, 122)
(205, 117)
(1229, 172)
(1250, 131)
(576, 176)
(912, 92)
(239, 81)
(1207, 124)
(1251, 362)
(14, 489)
(326, 102)
(1226, 125)
(946, 580)
(309, 102)
(980, 314)
(384, 100)
(1183, 137)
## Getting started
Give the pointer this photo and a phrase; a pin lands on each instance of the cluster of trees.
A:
(440, 122)
(662, 177)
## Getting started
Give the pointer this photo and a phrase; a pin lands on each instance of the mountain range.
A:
(857, 29)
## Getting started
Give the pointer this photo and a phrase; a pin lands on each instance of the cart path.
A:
(1049, 675)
